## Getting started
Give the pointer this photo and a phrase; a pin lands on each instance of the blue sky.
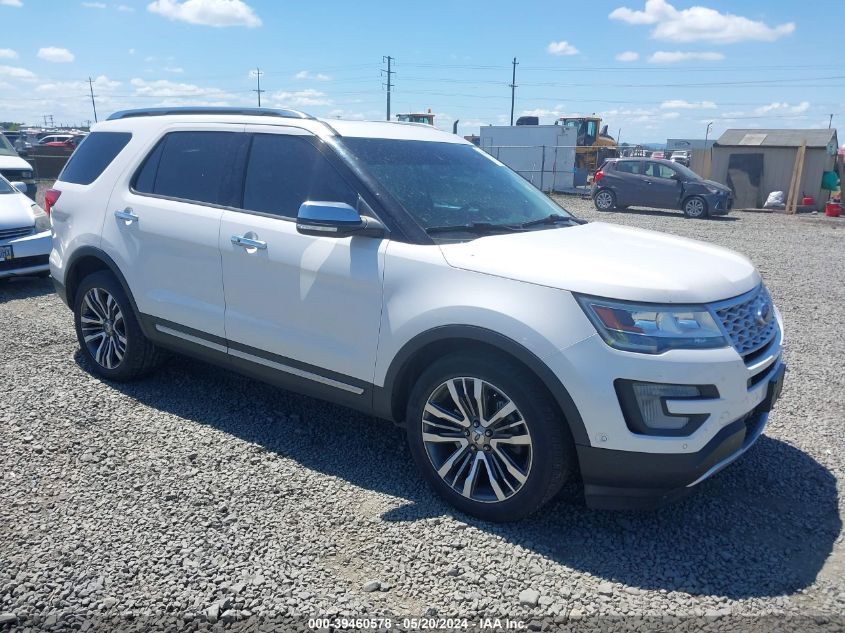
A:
(656, 69)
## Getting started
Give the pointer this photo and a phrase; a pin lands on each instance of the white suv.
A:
(401, 271)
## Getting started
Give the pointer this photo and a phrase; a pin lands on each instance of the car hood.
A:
(13, 162)
(715, 185)
(610, 261)
(15, 211)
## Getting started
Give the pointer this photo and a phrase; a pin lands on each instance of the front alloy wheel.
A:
(103, 328)
(487, 435)
(477, 439)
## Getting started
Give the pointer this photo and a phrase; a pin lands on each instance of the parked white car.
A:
(25, 240)
(15, 169)
(402, 271)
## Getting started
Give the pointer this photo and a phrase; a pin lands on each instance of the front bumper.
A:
(31, 255)
(719, 203)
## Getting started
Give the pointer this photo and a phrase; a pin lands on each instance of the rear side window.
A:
(93, 155)
(628, 166)
(194, 166)
(285, 171)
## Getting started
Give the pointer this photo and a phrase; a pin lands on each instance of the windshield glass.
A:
(451, 184)
(686, 172)
(6, 148)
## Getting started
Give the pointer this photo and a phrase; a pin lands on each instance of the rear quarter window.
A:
(93, 155)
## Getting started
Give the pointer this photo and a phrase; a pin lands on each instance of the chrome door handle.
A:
(246, 242)
(127, 214)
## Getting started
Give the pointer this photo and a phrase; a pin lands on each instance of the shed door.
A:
(745, 178)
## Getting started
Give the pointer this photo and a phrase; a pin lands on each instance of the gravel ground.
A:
(198, 496)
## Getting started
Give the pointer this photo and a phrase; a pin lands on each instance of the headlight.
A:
(652, 329)
(715, 190)
(42, 220)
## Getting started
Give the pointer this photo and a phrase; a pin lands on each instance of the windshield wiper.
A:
(554, 218)
(482, 228)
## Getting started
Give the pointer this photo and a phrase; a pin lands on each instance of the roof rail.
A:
(273, 112)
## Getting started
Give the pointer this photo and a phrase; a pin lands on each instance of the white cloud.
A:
(217, 13)
(561, 48)
(11, 3)
(674, 57)
(309, 97)
(680, 104)
(94, 5)
(347, 114)
(783, 108)
(305, 74)
(16, 73)
(166, 88)
(125, 8)
(699, 24)
(670, 115)
(102, 85)
(131, 51)
(174, 69)
(55, 55)
(8, 53)
(628, 56)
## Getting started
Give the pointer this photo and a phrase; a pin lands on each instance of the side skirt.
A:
(276, 370)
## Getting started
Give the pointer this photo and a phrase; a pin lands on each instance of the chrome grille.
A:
(742, 322)
(10, 234)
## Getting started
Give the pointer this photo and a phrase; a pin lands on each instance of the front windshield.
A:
(686, 172)
(451, 184)
(6, 148)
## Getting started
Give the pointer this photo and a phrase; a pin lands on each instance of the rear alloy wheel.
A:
(605, 200)
(695, 207)
(108, 331)
(103, 328)
(488, 437)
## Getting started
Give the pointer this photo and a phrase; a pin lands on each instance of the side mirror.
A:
(335, 219)
(20, 186)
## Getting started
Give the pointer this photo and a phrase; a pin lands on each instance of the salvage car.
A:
(661, 184)
(402, 271)
(25, 240)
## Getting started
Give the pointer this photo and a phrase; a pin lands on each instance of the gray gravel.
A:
(201, 497)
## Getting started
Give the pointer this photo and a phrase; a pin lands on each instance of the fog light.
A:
(644, 406)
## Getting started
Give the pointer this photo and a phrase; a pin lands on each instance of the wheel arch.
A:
(391, 400)
(88, 260)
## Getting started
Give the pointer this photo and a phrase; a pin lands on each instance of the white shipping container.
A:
(542, 154)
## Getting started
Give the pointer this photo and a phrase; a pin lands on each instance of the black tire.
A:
(604, 200)
(552, 449)
(695, 207)
(140, 356)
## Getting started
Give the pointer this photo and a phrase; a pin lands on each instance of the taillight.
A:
(599, 175)
(50, 198)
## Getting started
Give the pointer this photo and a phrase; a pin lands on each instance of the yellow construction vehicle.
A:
(417, 117)
(595, 145)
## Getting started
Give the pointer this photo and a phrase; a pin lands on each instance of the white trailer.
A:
(542, 154)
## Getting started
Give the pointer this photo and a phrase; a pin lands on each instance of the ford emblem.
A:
(764, 313)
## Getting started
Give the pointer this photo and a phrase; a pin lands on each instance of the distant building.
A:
(753, 163)
(691, 144)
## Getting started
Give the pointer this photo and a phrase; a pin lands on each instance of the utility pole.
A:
(830, 122)
(513, 88)
(258, 89)
(93, 104)
(390, 74)
(619, 138)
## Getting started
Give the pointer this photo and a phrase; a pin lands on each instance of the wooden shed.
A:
(753, 163)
